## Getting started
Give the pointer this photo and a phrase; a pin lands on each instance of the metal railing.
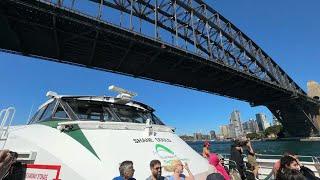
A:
(306, 160)
(5, 115)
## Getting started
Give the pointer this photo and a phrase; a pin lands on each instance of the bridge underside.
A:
(54, 34)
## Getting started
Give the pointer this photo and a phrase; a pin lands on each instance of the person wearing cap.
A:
(206, 150)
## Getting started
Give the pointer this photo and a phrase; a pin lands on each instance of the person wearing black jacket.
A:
(291, 162)
(236, 156)
(308, 173)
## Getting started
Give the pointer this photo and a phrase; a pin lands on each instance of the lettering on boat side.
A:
(42, 172)
(146, 140)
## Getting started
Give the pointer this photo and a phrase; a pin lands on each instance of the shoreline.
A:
(311, 139)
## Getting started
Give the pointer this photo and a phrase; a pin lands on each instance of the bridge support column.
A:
(298, 119)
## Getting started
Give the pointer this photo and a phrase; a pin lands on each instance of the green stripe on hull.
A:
(75, 133)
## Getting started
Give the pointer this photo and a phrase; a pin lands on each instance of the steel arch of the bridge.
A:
(122, 37)
(196, 27)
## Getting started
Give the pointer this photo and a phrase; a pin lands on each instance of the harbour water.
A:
(307, 148)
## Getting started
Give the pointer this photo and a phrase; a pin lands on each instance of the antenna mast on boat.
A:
(122, 93)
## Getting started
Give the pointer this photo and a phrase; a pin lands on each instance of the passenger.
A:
(215, 176)
(214, 161)
(306, 172)
(252, 160)
(236, 156)
(276, 165)
(221, 159)
(206, 150)
(290, 174)
(155, 167)
(287, 163)
(126, 171)
(292, 162)
(6, 160)
(177, 168)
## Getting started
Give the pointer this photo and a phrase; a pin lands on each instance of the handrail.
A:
(8, 114)
(3, 111)
(269, 176)
(277, 155)
(315, 161)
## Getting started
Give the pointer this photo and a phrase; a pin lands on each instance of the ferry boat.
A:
(87, 137)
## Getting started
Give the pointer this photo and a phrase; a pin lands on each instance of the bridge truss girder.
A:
(196, 27)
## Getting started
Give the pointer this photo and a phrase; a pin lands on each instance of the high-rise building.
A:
(254, 125)
(197, 136)
(224, 131)
(212, 135)
(236, 125)
(275, 121)
(250, 126)
(313, 89)
(232, 131)
(245, 127)
(262, 121)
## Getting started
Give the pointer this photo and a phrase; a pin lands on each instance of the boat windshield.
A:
(103, 111)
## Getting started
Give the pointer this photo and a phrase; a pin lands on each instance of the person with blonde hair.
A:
(177, 169)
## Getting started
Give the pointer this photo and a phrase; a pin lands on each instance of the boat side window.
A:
(156, 120)
(60, 113)
(48, 112)
(147, 116)
(128, 114)
(107, 115)
(90, 110)
(38, 114)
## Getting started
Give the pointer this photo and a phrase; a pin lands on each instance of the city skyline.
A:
(271, 121)
(26, 80)
(237, 128)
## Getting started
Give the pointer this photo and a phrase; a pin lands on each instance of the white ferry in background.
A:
(86, 137)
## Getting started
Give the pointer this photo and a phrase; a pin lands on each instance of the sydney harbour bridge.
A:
(180, 42)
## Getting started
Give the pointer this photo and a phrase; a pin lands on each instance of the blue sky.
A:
(287, 30)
